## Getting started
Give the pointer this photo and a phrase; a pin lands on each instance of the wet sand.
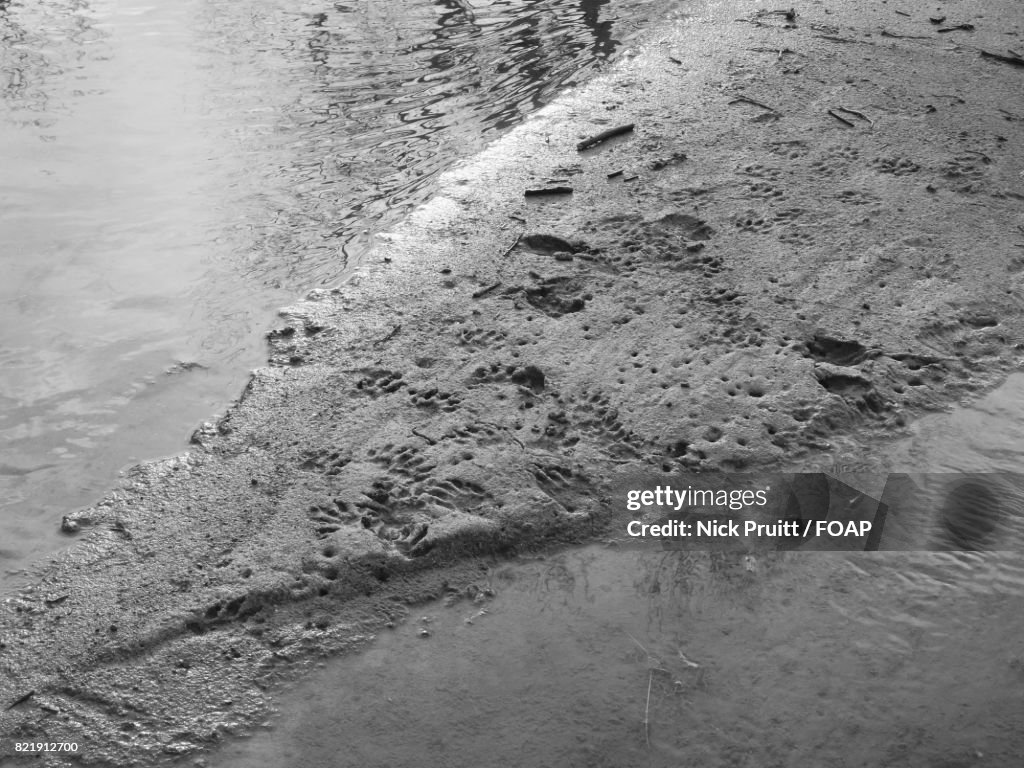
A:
(815, 237)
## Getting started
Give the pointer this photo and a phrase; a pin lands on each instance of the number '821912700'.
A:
(45, 746)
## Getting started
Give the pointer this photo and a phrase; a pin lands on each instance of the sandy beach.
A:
(812, 234)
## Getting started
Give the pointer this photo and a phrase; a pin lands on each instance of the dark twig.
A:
(389, 337)
(1016, 61)
(841, 119)
(964, 27)
(837, 39)
(887, 33)
(854, 112)
(21, 700)
(593, 141)
(548, 191)
(430, 440)
(748, 100)
(484, 291)
(512, 247)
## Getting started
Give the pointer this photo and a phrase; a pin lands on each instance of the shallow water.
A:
(608, 656)
(172, 173)
(813, 659)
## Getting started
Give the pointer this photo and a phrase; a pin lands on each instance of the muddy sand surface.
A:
(814, 232)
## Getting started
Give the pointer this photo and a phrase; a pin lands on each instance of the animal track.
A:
(796, 236)
(452, 493)
(480, 337)
(380, 381)
(330, 518)
(752, 222)
(855, 388)
(561, 485)
(835, 161)
(966, 171)
(764, 191)
(897, 166)
(671, 237)
(478, 433)
(530, 377)
(223, 611)
(434, 398)
(759, 171)
(788, 215)
(596, 416)
(405, 460)
(557, 296)
(856, 197)
(791, 150)
(328, 462)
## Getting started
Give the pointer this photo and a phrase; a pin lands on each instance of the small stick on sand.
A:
(647, 711)
(748, 100)
(430, 440)
(20, 700)
(484, 291)
(842, 120)
(394, 332)
(639, 644)
(547, 191)
(512, 247)
(1014, 60)
(593, 141)
(861, 115)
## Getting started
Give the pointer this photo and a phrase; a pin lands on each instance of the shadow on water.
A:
(175, 172)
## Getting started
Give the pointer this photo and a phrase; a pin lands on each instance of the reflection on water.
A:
(606, 657)
(172, 173)
(388, 93)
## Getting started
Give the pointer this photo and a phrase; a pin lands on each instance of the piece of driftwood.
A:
(887, 33)
(1016, 61)
(748, 100)
(841, 119)
(964, 27)
(430, 440)
(394, 332)
(21, 700)
(512, 247)
(855, 113)
(599, 138)
(548, 191)
(484, 291)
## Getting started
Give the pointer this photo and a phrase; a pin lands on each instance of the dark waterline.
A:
(174, 173)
